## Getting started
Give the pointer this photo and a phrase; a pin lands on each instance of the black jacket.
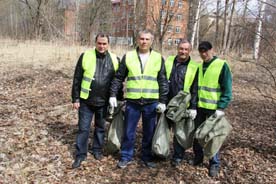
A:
(122, 73)
(176, 82)
(99, 94)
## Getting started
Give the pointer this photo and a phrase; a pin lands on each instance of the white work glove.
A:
(192, 113)
(113, 102)
(219, 113)
(160, 108)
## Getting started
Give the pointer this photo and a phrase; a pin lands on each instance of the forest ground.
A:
(38, 127)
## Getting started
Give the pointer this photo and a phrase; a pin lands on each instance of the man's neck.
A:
(182, 60)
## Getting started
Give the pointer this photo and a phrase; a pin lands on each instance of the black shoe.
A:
(196, 162)
(149, 164)
(77, 162)
(213, 170)
(176, 162)
(98, 156)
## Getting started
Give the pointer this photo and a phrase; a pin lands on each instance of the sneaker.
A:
(98, 156)
(149, 164)
(176, 162)
(123, 164)
(213, 170)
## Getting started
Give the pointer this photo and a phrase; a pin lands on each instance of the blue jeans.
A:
(86, 113)
(132, 115)
(202, 115)
(178, 150)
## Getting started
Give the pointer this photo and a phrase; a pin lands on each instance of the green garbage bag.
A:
(161, 138)
(116, 129)
(184, 132)
(212, 133)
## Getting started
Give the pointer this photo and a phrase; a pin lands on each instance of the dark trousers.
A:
(202, 115)
(132, 115)
(86, 113)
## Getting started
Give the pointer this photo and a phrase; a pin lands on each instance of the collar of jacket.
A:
(137, 50)
(101, 55)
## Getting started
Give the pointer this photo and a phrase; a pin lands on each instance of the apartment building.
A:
(166, 18)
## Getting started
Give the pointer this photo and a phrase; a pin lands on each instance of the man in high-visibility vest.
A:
(90, 93)
(146, 91)
(182, 73)
(214, 95)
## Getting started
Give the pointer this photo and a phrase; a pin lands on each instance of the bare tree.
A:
(259, 30)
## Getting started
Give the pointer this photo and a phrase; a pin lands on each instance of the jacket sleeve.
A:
(163, 84)
(120, 75)
(76, 86)
(194, 92)
(225, 81)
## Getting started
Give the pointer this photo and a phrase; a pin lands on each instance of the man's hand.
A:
(76, 105)
(192, 113)
(113, 101)
(160, 108)
(219, 113)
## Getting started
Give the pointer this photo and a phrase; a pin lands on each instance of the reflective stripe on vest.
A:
(190, 72)
(89, 67)
(209, 89)
(142, 85)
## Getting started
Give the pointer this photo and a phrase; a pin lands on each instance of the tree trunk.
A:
(229, 38)
(259, 30)
(217, 23)
(195, 23)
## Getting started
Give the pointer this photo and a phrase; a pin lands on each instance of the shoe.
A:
(150, 164)
(213, 170)
(77, 162)
(176, 162)
(123, 164)
(196, 162)
(98, 156)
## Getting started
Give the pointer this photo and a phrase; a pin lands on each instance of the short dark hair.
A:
(102, 35)
(204, 46)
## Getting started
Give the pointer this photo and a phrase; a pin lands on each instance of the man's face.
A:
(102, 44)
(206, 55)
(144, 42)
(183, 51)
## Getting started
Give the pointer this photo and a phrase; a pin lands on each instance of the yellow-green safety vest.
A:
(89, 67)
(142, 85)
(209, 88)
(190, 73)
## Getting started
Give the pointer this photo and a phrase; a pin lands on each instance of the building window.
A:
(170, 28)
(180, 4)
(171, 3)
(176, 41)
(177, 29)
(170, 41)
(130, 27)
(171, 15)
(178, 17)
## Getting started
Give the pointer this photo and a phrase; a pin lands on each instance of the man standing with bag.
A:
(182, 73)
(90, 93)
(146, 90)
(215, 94)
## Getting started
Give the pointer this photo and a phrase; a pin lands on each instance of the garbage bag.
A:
(212, 133)
(116, 129)
(161, 138)
(184, 132)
